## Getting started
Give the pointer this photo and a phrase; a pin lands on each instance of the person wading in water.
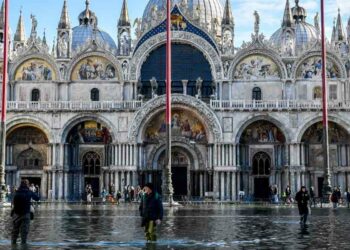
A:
(151, 211)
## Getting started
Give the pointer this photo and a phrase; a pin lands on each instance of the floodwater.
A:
(205, 227)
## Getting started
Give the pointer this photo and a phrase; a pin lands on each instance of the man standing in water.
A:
(302, 197)
(151, 211)
(21, 212)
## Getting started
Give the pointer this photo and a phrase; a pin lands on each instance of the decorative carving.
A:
(207, 115)
(257, 67)
(62, 45)
(311, 68)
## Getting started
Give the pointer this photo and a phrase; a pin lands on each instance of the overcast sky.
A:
(108, 11)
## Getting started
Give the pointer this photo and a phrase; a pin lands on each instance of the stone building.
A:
(91, 110)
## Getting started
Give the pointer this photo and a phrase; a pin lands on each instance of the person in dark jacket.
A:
(312, 197)
(21, 212)
(348, 197)
(151, 211)
(302, 197)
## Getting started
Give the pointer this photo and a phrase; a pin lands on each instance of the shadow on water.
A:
(202, 228)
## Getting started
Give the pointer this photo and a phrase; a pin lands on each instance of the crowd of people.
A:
(111, 195)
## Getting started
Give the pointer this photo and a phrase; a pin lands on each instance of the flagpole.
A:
(327, 189)
(3, 106)
(167, 186)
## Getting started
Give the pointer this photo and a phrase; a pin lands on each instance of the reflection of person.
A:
(21, 212)
(151, 211)
(302, 197)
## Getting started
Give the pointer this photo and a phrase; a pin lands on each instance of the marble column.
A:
(105, 179)
(201, 184)
(66, 185)
(60, 184)
(116, 181)
(127, 181)
(184, 86)
(216, 184)
(293, 182)
(53, 185)
(222, 186)
(298, 177)
(228, 185)
(233, 186)
(43, 187)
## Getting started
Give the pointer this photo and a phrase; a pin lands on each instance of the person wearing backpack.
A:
(151, 211)
(21, 212)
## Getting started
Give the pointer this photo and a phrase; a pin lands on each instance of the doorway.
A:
(33, 180)
(261, 188)
(179, 179)
(95, 185)
(320, 181)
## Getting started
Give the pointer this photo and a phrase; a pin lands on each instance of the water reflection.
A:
(203, 228)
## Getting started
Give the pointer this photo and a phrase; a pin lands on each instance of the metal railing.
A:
(14, 106)
(249, 105)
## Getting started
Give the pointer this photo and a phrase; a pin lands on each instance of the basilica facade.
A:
(91, 110)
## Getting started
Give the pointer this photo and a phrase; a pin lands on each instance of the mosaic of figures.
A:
(312, 69)
(316, 156)
(27, 135)
(35, 70)
(314, 134)
(94, 68)
(257, 67)
(89, 132)
(183, 124)
(262, 132)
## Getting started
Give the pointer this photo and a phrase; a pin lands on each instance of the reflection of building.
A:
(87, 112)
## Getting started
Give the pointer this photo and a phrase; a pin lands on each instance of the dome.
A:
(88, 30)
(207, 10)
(304, 33)
(298, 32)
(83, 33)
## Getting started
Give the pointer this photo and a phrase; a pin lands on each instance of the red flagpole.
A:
(168, 187)
(327, 180)
(4, 104)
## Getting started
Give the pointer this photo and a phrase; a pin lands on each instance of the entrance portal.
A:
(95, 185)
(179, 178)
(33, 180)
(179, 170)
(261, 188)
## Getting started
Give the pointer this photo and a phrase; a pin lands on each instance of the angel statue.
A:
(138, 24)
(34, 23)
(257, 22)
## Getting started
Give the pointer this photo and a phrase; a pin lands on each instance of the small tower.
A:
(64, 34)
(228, 30)
(287, 17)
(20, 38)
(124, 31)
(2, 22)
(339, 31)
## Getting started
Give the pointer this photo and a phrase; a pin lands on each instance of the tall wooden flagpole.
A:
(167, 182)
(4, 105)
(327, 189)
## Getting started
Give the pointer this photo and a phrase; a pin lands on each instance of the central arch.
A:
(188, 63)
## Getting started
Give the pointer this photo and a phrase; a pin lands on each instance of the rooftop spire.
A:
(20, 33)
(124, 15)
(44, 37)
(228, 17)
(64, 21)
(287, 17)
(339, 31)
(2, 16)
(334, 35)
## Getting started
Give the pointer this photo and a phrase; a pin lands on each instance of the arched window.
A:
(91, 164)
(261, 164)
(95, 95)
(318, 92)
(35, 95)
(256, 95)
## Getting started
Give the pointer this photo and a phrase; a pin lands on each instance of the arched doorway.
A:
(261, 172)
(312, 154)
(88, 148)
(92, 170)
(27, 149)
(188, 63)
(180, 164)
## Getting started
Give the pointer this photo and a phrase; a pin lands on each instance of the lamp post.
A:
(167, 182)
(327, 189)
(3, 107)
